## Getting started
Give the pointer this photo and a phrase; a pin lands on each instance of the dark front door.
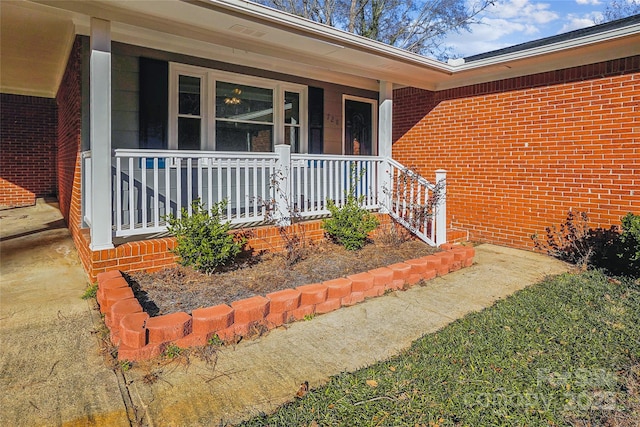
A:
(358, 128)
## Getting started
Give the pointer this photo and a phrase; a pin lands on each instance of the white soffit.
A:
(35, 44)
(292, 43)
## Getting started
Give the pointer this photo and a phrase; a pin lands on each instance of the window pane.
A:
(189, 96)
(292, 137)
(243, 137)
(248, 103)
(292, 108)
(188, 133)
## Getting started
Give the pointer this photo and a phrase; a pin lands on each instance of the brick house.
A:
(127, 113)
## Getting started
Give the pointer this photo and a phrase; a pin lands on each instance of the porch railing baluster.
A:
(247, 195)
(238, 183)
(132, 195)
(118, 195)
(209, 184)
(178, 166)
(219, 177)
(156, 194)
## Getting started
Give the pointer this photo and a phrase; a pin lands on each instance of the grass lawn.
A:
(563, 352)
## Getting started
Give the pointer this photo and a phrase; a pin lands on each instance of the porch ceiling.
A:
(37, 35)
(34, 44)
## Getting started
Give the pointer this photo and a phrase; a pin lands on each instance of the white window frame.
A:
(208, 103)
(374, 119)
(177, 70)
(303, 113)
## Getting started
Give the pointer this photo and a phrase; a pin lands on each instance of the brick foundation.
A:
(519, 153)
(154, 254)
(141, 337)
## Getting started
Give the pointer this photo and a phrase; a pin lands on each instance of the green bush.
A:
(350, 224)
(631, 236)
(203, 240)
(625, 253)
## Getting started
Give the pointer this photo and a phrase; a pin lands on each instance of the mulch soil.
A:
(184, 289)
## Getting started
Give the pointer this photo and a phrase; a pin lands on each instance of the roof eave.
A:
(603, 37)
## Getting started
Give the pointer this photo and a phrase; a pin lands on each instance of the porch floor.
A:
(50, 350)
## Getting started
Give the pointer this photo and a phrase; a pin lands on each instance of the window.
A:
(189, 112)
(360, 126)
(244, 118)
(215, 110)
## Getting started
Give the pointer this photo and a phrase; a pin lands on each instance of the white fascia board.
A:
(602, 37)
(322, 32)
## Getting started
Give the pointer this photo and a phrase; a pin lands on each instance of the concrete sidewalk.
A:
(52, 372)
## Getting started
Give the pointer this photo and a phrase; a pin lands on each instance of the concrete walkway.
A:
(52, 373)
(51, 370)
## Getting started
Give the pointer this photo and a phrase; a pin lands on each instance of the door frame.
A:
(374, 119)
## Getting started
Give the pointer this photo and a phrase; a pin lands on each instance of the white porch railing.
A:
(418, 204)
(318, 178)
(150, 184)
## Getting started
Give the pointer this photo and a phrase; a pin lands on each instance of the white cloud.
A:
(490, 34)
(523, 11)
(511, 22)
(506, 23)
(575, 22)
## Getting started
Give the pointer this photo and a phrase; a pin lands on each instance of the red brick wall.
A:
(69, 139)
(69, 126)
(521, 152)
(28, 149)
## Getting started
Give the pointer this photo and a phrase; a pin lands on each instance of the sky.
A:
(510, 22)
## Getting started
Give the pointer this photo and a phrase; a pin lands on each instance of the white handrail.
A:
(416, 203)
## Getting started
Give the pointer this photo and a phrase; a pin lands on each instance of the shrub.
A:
(627, 249)
(203, 241)
(618, 253)
(287, 220)
(570, 242)
(631, 236)
(350, 224)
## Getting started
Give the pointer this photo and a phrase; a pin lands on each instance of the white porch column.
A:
(282, 185)
(100, 131)
(385, 128)
(440, 216)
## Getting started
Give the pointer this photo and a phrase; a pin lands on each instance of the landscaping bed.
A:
(184, 289)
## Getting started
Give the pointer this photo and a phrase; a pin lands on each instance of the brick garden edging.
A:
(140, 336)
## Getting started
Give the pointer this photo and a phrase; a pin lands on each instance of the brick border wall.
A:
(140, 336)
(521, 152)
(28, 147)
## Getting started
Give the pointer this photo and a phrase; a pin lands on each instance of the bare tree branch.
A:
(416, 25)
